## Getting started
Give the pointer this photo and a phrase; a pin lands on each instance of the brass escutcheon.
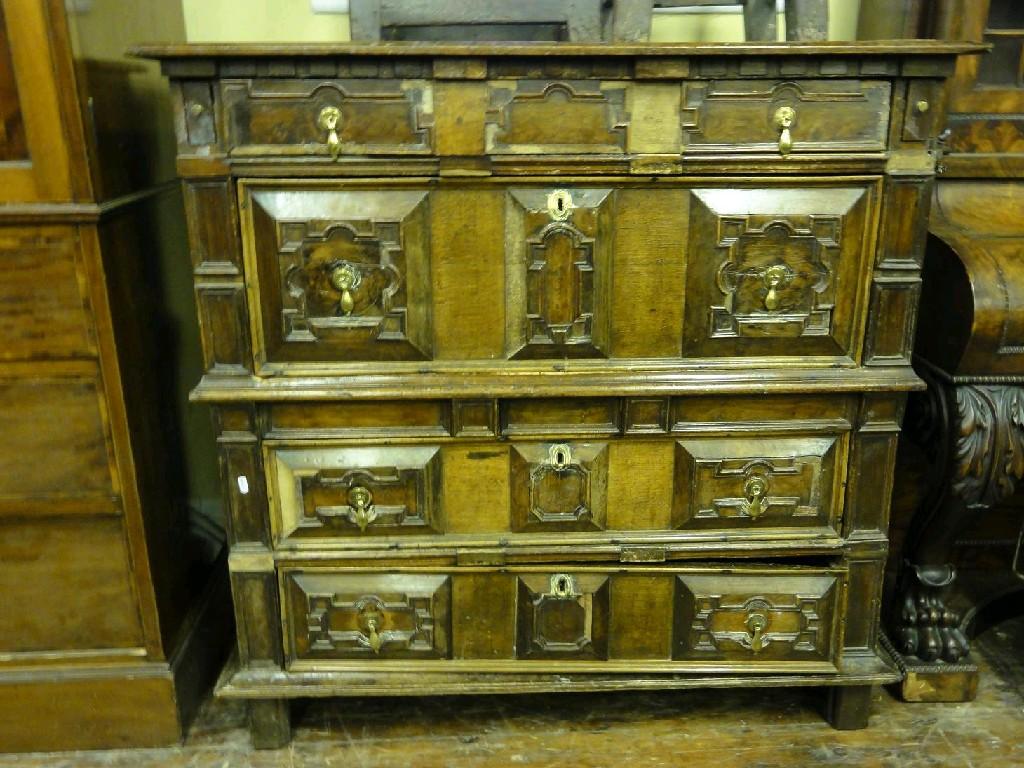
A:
(560, 455)
(345, 278)
(328, 120)
(560, 204)
(562, 586)
(774, 277)
(756, 492)
(783, 121)
(361, 501)
(757, 623)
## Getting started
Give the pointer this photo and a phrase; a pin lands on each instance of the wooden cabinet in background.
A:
(969, 425)
(552, 368)
(113, 621)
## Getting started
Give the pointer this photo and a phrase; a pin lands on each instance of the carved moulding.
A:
(973, 433)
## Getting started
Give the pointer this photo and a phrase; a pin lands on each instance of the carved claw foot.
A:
(928, 629)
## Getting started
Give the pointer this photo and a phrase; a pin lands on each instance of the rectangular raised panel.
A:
(342, 274)
(755, 617)
(282, 117)
(776, 271)
(829, 115)
(357, 491)
(565, 416)
(556, 117)
(223, 323)
(780, 412)
(66, 586)
(212, 215)
(42, 309)
(753, 483)
(558, 264)
(559, 486)
(366, 616)
(58, 442)
(890, 334)
(387, 418)
(562, 616)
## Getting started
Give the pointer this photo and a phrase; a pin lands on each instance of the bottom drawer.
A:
(715, 617)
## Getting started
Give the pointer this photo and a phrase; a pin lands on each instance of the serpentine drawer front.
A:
(556, 367)
(745, 619)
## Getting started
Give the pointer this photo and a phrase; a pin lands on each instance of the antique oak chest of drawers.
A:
(553, 368)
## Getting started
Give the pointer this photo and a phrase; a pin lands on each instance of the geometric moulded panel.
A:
(754, 483)
(558, 486)
(557, 272)
(357, 491)
(367, 616)
(775, 271)
(562, 616)
(755, 617)
(343, 274)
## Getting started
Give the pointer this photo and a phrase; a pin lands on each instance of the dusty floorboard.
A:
(748, 728)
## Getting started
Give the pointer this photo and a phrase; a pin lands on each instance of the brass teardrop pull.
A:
(345, 278)
(363, 512)
(757, 623)
(774, 277)
(328, 120)
(756, 492)
(784, 119)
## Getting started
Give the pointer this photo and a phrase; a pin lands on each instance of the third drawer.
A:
(520, 491)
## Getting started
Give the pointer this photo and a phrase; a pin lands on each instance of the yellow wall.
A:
(292, 20)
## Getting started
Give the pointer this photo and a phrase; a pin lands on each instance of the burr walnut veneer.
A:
(555, 367)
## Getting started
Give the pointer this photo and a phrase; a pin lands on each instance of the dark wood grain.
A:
(557, 366)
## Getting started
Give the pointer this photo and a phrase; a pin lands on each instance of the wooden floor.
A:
(746, 728)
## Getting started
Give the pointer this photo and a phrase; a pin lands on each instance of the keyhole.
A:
(561, 585)
(559, 204)
(560, 456)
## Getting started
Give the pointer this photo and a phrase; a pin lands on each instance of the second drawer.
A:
(699, 485)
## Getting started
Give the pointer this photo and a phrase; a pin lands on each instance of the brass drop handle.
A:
(361, 501)
(373, 637)
(345, 278)
(774, 277)
(784, 118)
(328, 120)
(757, 623)
(756, 492)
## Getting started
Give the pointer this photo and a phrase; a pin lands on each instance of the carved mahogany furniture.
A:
(971, 353)
(103, 606)
(556, 367)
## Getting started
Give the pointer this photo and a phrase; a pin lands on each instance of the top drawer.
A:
(290, 117)
(337, 118)
(783, 116)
